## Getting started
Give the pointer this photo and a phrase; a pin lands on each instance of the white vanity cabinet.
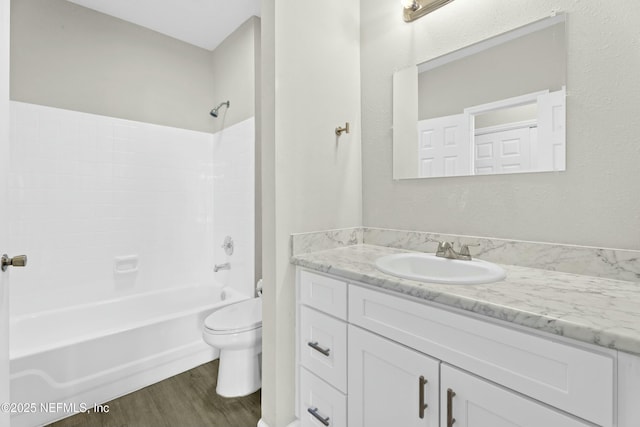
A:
(469, 401)
(394, 361)
(390, 384)
(322, 350)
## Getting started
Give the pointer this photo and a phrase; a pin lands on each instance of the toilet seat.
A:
(239, 317)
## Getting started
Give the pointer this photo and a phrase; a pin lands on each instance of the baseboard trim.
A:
(295, 423)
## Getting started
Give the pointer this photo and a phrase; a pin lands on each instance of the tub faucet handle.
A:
(227, 245)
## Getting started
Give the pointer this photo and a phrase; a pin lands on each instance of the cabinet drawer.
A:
(572, 379)
(323, 346)
(324, 293)
(320, 404)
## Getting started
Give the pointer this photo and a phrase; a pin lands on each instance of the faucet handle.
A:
(464, 248)
(443, 246)
(444, 249)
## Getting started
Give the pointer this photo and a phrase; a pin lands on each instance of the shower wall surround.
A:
(619, 264)
(233, 204)
(106, 207)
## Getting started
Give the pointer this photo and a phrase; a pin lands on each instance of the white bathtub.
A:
(63, 361)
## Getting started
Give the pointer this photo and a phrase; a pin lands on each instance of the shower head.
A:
(214, 112)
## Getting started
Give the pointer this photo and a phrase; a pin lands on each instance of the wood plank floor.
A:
(186, 400)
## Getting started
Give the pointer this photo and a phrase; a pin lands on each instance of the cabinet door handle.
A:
(450, 419)
(314, 345)
(421, 405)
(314, 412)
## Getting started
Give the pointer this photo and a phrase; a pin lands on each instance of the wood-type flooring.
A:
(185, 400)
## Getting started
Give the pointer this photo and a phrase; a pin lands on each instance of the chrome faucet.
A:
(218, 267)
(445, 250)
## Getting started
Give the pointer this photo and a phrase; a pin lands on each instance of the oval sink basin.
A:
(430, 268)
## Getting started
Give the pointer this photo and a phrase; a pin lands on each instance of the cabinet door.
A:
(389, 384)
(473, 402)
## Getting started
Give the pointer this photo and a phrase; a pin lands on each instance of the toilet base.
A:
(239, 372)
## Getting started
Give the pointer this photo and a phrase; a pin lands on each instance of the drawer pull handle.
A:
(421, 405)
(314, 412)
(314, 345)
(450, 419)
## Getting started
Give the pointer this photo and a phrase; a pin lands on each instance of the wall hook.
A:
(345, 129)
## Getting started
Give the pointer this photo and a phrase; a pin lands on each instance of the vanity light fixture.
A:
(414, 9)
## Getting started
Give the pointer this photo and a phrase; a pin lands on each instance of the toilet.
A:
(236, 330)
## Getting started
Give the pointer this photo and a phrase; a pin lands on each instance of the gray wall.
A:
(234, 74)
(595, 202)
(537, 61)
(67, 56)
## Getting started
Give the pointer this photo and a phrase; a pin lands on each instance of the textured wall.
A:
(595, 202)
(311, 180)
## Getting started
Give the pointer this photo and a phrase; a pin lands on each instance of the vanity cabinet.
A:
(392, 360)
(322, 350)
(390, 384)
(469, 401)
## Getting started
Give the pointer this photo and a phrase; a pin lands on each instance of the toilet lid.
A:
(243, 315)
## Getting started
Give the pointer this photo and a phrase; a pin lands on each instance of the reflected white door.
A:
(444, 146)
(4, 217)
(552, 130)
(503, 151)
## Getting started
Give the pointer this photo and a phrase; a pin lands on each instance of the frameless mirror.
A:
(495, 107)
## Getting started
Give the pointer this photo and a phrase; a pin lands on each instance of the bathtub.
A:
(65, 361)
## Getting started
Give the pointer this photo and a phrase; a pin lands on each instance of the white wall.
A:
(311, 179)
(596, 202)
(233, 204)
(86, 189)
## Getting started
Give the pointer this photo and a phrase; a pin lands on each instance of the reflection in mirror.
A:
(494, 107)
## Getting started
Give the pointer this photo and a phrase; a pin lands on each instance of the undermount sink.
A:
(433, 269)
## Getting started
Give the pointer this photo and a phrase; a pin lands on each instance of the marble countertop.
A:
(600, 311)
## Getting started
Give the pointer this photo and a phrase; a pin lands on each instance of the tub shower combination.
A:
(83, 355)
(91, 331)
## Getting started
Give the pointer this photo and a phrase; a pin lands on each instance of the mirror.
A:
(495, 107)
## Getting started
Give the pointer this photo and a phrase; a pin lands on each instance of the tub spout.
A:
(218, 267)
